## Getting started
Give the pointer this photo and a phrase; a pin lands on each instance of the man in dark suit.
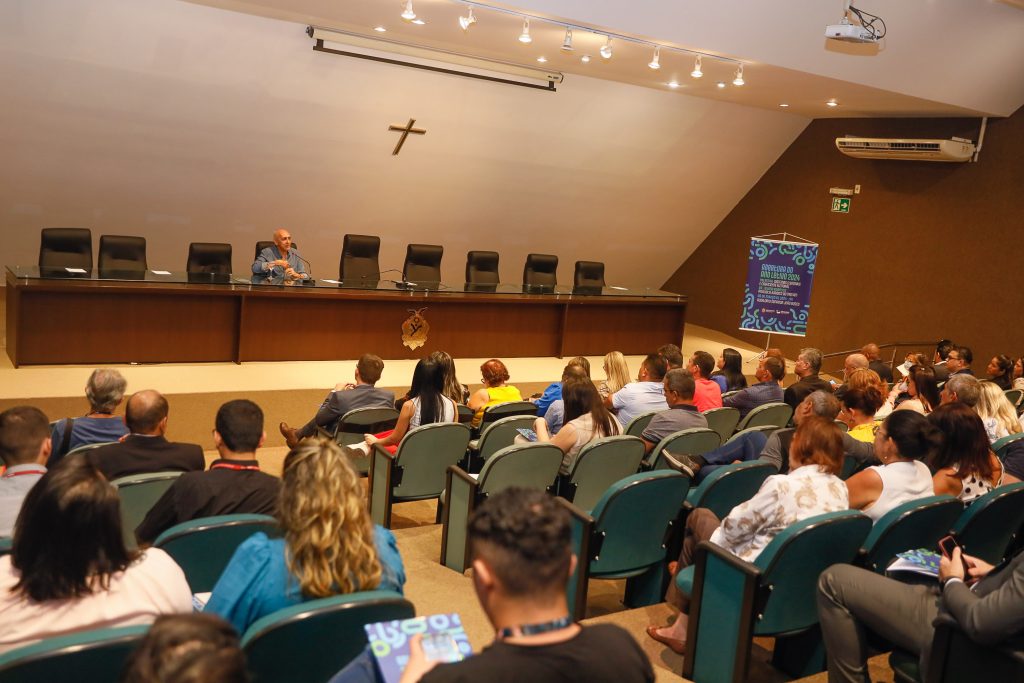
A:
(145, 449)
(807, 367)
(959, 361)
(873, 353)
(852, 601)
(345, 397)
(942, 350)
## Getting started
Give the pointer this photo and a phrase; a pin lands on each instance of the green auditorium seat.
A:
(723, 421)
(989, 525)
(728, 486)
(496, 436)
(598, 465)
(639, 423)
(769, 414)
(355, 423)
(916, 524)
(694, 441)
(956, 658)
(96, 656)
(138, 493)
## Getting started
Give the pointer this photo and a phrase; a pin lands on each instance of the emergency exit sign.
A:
(840, 205)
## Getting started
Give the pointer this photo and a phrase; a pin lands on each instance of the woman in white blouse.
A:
(902, 442)
(812, 487)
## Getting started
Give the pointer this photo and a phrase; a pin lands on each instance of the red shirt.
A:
(707, 395)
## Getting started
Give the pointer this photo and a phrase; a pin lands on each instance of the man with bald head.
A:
(145, 449)
(280, 260)
(873, 354)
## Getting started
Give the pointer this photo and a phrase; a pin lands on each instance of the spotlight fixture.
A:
(783, 105)
(379, 29)
(672, 84)
(720, 84)
(832, 103)
(408, 13)
(696, 73)
(606, 49)
(467, 21)
(655, 62)
(739, 76)
(524, 37)
(542, 59)
(585, 59)
(567, 43)
(418, 22)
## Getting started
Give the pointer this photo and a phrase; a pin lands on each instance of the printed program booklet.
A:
(444, 639)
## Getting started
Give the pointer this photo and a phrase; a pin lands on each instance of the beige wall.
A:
(928, 250)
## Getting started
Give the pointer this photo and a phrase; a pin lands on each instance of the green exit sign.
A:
(841, 205)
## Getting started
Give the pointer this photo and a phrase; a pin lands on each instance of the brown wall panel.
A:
(631, 329)
(928, 250)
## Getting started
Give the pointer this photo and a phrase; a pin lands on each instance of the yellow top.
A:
(497, 395)
(864, 432)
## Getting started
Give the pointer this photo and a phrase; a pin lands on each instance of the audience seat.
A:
(203, 547)
(122, 254)
(588, 277)
(723, 421)
(360, 260)
(465, 414)
(540, 273)
(65, 248)
(495, 436)
(314, 640)
(728, 486)
(1000, 446)
(733, 600)
(1014, 396)
(598, 465)
(916, 524)
(5, 545)
(639, 423)
(956, 658)
(138, 493)
(482, 271)
(210, 258)
(86, 447)
(354, 424)
(95, 655)
(423, 265)
(533, 466)
(693, 441)
(764, 429)
(498, 411)
(769, 414)
(625, 537)
(989, 526)
(417, 469)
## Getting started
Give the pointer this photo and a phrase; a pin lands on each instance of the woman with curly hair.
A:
(496, 389)
(330, 546)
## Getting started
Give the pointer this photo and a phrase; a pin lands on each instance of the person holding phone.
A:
(920, 387)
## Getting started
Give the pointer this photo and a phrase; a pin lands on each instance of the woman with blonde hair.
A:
(862, 378)
(330, 546)
(616, 372)
(996, 412)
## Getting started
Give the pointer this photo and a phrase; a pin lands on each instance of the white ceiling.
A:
(939, 58)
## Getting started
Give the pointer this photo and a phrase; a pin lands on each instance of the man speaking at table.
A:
(280, 260)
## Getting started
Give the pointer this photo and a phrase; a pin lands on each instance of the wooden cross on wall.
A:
(406, 129)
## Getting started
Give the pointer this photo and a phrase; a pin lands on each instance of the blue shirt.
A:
(257, 582)
(551, 394)
(759, 394)
(555, 416)
(84, 430)
(270, 254)
(637, 398)
(14, 486)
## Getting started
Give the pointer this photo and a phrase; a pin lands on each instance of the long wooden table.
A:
(88, 321)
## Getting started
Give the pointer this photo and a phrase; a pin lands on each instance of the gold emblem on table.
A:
(415, 329)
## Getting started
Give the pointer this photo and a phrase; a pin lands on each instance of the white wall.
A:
(185, 123)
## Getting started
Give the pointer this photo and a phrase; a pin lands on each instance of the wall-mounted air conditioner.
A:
(899, 148)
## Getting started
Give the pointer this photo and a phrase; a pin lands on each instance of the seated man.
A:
(234, 483)
(345, 397)
(145, 449)
(280, 260)
(24, 448)
(553, 392)
(988, 605)
(959, 360)
(707, 394)
(773, 449)
(807, 367)
(104, 391)
(554, 416)
(521, 542)
(672, 354)
(855, 361)
(963, 388)
(767, 390)
(644, 395)
(681, 414)
(873, 353)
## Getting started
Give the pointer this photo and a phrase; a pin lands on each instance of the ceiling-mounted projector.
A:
(850, 33)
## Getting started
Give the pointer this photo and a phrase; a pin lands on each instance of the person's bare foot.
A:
(290, 437)
(677, 646)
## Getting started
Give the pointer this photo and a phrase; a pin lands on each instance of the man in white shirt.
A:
(24, 448)
(645, 395)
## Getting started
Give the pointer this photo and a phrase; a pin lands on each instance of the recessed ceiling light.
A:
(418, 22)
(585, 59)
(832, 103)
(783, 105)
(720, 84)
(672, 84)
(542, 59)
(379, 29)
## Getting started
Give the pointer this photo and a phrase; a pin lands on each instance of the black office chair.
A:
(482, 271)
(260, 246)
(588, 277)
(213, 258)
(65, 248)
(423, 265)
(360, 264)
(122, 254)
(539, 273)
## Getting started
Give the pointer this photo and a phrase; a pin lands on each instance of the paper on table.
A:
(333, 282)
(75, 270)
(161, 272)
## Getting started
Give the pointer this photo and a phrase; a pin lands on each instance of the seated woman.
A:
(69, 570)
(859, 408)
(1018, 374)
(903, 441)
(586, 419)
(729, 375)
(862, 378)
(495, 390)
(187, 647)
(996, 412)
(1000, 371)
(104, 390)
(453, 389)
(920, 390)
(965, 466)
(330, 546)
(427, 404)
(812, 487)
(616, 373)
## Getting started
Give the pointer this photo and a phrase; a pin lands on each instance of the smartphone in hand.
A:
(946, 545)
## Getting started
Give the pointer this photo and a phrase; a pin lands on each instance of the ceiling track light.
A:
(606, 49)
(567, 43)
(467, 21)
(655, 63)
(408, 13)
(739, 76)
(524, 37)
(696, 73)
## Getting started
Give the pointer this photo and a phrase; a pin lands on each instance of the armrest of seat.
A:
(576, 588)
(460, 501)
(722, 615)
(381, 485)
(954, 656)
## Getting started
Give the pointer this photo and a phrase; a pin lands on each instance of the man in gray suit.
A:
(345, 397)
(853, 600)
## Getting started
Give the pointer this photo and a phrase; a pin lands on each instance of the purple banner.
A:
(777, 295)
